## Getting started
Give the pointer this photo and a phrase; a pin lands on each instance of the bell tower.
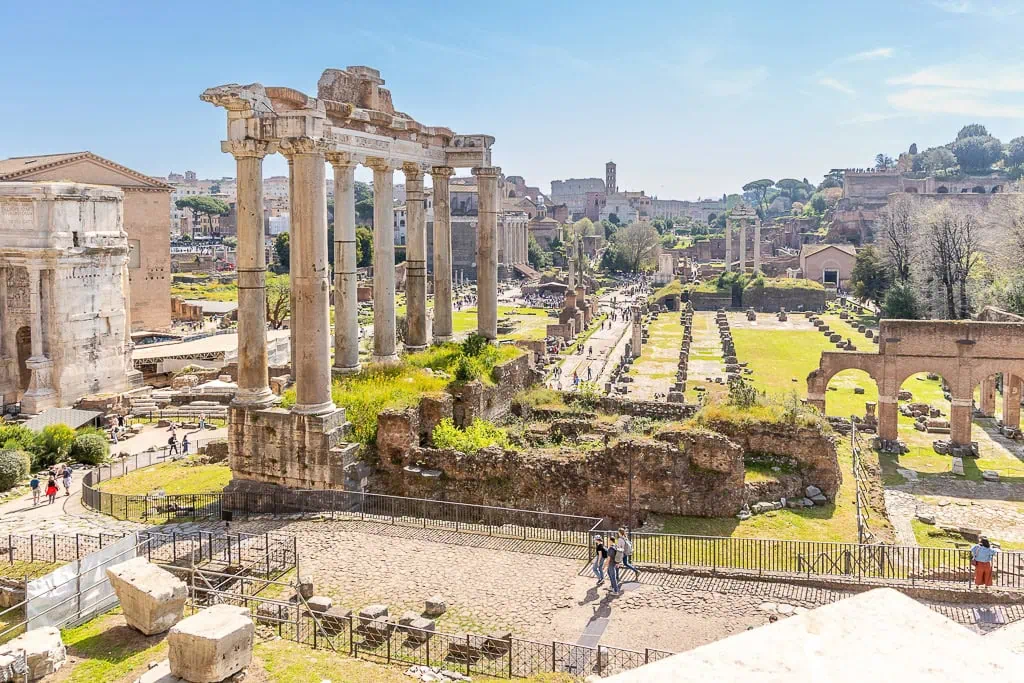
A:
(609, 178)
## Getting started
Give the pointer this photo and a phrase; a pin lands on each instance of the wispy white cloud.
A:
(984, 77)
(701, 68)
(837, 85)
(953, 101)
(988, 8)
(868, 55)
(870, 117)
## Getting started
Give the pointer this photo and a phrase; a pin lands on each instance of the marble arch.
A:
(964, 353)
(351, 121)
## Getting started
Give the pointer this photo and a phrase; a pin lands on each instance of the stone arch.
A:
(832, 363)
(712, 217)
(996, 188)
(23, 343)
(911, 190)
(511, 194)
(942, 189)
(978, 189)
(840, 386)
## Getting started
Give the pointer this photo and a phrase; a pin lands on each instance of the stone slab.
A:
(152, 599)
(211, 645)
(44, 651)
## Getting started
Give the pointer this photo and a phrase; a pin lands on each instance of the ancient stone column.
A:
(346, 304)
(442, 254)
(35, 312)
(415, 259)
(888, 418)
(1011, 400)
(487, 252)
(728, 247)
(988, 396)
(40, 393)
(383, 262)
(743, 247)
(757, 245)
(253, 389)
(6, 325)
(310, 283)
(960, 420)
(291, 290)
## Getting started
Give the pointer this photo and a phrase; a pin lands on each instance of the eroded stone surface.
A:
(212, 644)
(153, 599)
(44, 651)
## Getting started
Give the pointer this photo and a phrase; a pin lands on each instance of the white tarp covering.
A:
(79, 589)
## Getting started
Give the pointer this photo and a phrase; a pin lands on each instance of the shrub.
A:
(466, 370)
(16, 437)
(474, 344)
(480, 434)
(14, 465)
(90, 449)
(54, 444)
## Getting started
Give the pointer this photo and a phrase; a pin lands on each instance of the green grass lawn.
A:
(930, 536)
(173, 477)
(110, 650)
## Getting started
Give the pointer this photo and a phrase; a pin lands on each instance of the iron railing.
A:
(526, 525)
(387, 642)
(872, 563)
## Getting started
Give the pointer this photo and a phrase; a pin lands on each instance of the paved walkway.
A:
(602, 345)
(67, 515)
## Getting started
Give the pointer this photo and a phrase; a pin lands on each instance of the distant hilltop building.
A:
(598, 199)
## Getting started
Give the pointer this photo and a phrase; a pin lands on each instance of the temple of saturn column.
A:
(741, 217)
(351, 121)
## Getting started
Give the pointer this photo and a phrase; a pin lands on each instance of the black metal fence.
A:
(487, 520)
(386, 642)
(52, 548)
(880, 563)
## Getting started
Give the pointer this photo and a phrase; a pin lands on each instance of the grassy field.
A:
(173, 477)
(660, 356)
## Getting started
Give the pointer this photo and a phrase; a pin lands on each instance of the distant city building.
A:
(573, 192)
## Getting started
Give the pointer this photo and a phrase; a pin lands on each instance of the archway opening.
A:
(942, 190)
(978, 189)
(924, 417)
(848, 392)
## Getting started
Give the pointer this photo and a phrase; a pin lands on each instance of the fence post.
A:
(174, 547)
(468, 658)
(552, 656)
(55, 548)
(31, 548)
(509, 658)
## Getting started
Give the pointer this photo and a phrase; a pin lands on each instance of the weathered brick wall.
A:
(771, 299)
(706, 301)
(691, 473)
(653, 409)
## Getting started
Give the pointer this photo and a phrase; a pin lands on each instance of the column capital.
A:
(303, 145)
(412, 171)
(381, 164)
(442, 171)
(248, 148)
(487, 171)
(341, 160)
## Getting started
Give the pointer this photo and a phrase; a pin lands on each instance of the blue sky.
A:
(689, 99)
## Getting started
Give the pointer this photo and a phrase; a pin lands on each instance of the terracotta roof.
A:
(809, 249)
(18, 167)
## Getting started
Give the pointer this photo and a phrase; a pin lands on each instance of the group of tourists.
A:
(55, 473)
(612, 554)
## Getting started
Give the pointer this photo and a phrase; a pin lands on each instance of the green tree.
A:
(913, 149)
(364, 246)
(54, 444)
(1015, 152)
(833, 178)
(90, 449)
(362, 191)
(937, 159)
(279, 301)
(901, 302)
(870, 277)
(883, 162)
(614, 219)
(758, 190)
(201, 205)
(972, 130)
(536, 255)
(818, 203)
(977, 153)
(282, 246)
(639, 246)
(364, 211)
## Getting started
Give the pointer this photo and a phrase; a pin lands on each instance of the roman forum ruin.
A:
(351, 121)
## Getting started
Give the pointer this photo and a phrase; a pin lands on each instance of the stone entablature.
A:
(964, 353)
(63, 293)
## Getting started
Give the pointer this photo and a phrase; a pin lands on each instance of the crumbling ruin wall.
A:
(693, 472)
(773, 299)
(656, 410)
(476, 400)
(812, 451)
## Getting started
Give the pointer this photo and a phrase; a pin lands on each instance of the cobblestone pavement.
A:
(995, 508)
(604, 344)
(547, 597)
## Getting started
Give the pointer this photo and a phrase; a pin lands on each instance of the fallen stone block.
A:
(435, 606)
(419, 630)
(498, 643)
(820, 499)
(990, 475)
(406, 619)
(958, 466)
(152, 598)
(44, 651)
(371, 613)
(304, 587)
(461, 648)
(812, 491)
(13, 667)
(378, 630)
(211, 645)
(335, 620)
(319, 603)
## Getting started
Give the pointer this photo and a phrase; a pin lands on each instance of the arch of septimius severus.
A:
(352, 121)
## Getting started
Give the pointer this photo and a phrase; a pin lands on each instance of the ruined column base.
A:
(442, 339)
(274, 447)
(345, 371)
(390, 359)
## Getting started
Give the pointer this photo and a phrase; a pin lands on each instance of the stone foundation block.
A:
(211, 645)
(372, 612)
(319, 603)
(153, 599)
(463, 649)
(13, 667)
(435, 606)
(44, 651)
(335, 620)
(419, 630)
(304, 587)
(498, 643)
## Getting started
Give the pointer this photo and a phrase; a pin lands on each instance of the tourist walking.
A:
(613, 568)
(36, 490)
(202, 420)
(590, 373)
(626, 548)
(172, 445)
(600, 557)
(51, 489)
(66, 476)
(981, 559)
(184, 445)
